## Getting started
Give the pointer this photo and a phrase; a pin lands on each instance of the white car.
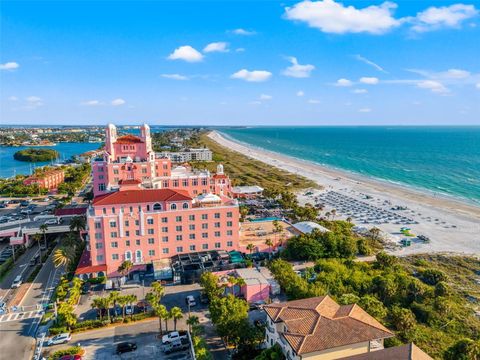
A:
(17, 282)
(51, 222)
(190, 300)
(59, 339)
(171, 337)
(129, 309)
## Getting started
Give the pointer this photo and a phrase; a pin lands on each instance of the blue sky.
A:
(240, 63)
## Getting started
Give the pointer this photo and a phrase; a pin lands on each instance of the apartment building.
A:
(49, 179)
(187, 155)
(145, 225)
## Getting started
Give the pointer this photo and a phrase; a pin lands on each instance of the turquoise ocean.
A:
(443, 160)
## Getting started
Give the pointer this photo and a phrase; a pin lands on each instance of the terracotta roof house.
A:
(319, 328)
(402, 352)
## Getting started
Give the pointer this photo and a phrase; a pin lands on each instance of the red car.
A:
(71, 357)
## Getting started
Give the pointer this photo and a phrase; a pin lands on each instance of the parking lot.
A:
(102, 344)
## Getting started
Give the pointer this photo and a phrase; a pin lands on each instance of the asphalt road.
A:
(17, 337)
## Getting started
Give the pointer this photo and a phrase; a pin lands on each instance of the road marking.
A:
(21, 316)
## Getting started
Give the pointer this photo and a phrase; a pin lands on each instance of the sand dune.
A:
(452, 225)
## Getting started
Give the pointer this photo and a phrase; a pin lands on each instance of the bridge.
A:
(20, 232)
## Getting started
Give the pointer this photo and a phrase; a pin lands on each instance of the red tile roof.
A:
(141, 196)
(128, 139)
(319, 323)
(85, 265)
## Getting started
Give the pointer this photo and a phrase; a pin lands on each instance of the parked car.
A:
(17, 282)
(53, 221)
(177, 345)
(129, 309)
(59, 339)
(126, 347)
(172, 336)
(204, 298)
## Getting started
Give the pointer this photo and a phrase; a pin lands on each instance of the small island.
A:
(36, 155)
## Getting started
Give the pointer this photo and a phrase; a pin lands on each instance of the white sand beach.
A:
(451, 225)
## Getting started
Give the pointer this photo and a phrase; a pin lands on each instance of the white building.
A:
(187, 155)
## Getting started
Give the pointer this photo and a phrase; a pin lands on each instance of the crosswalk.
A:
(21, 315)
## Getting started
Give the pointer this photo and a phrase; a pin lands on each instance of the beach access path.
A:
(463, 238)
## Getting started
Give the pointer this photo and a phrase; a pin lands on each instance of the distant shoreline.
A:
(362, 177)
(466, 217)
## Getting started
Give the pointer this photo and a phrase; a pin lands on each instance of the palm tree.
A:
(250, 247)
(167, 317)
(114, 296)
(125, 268)
(269, 243)
(105, 301)
(374, 232)
(349, 220)
(77, 223)
(62, 257)
(327, 215)
(43, 228)
(38, 237)
(334, 212)
(97, 303)
(132, 298)
(122, 301)
(161, 311)
(163, 314)
(192, 321)
(176, 314)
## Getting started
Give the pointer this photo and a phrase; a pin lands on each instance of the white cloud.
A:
(300, 93)
(434, 86)
(10, 66)
(477, 85)
(369, 62)
(343, 83)
(435, 18)
(216, 47)
(364, 110)
(118, 102)
(255, 102)
(332, 17)
(313, 101)
(252, 76)
(12, 98)
(369, 80)
(296, 70)
(174, 76)
(92, 103)
(243, 32)
(266, 97)
(359, 91)
(239, 50)
(186, 53)
(456, 74)
(33, 102)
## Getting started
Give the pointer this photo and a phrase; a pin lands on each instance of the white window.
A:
(98, 245)
(150, 221)
(151, 252)
(114, 244)
(99, 257)
(98, 236)
(151, 241)
(113, 224)
(128, 255)
(230, 243)
(229, 232)
(157, 207)
(164, 239)
(165, 251)
(192, 247)
(173, 207)
(179, 249)
(205, 246)
(114, 256)
(138, 256)
(113, 234)
(218, 245)
(217, 233)
(179, 237)
(151, 231)
(185, 205)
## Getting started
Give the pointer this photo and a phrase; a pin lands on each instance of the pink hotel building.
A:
(145, 212)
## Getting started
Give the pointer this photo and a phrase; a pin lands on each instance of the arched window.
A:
(185, 205)
(157, 207)
(173, 207)
(128, 255)
(138, 256)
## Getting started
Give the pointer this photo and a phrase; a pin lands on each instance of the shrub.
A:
(57, 330)
(74, 350)
(89, 324)
(97, 280)
(5, 267)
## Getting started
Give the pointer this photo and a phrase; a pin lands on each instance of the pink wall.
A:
(163, 227)
(253, 293)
